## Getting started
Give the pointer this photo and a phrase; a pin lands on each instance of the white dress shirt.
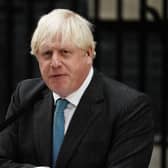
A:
(74, 99)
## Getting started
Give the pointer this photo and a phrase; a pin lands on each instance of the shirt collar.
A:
(75, 97)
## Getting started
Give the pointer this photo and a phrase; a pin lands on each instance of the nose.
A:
(55, 61)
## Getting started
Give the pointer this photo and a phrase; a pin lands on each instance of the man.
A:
(107, 124)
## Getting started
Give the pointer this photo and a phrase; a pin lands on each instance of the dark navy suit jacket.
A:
(112, 128)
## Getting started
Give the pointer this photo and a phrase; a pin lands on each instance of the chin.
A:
(61, 91)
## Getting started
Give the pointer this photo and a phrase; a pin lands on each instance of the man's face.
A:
(63, 67)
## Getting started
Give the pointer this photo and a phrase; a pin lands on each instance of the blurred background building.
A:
(132, 47)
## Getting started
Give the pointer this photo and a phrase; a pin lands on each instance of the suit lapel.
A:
(43, 128)
(85, 114)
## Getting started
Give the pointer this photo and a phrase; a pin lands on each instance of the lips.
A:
(57, 75)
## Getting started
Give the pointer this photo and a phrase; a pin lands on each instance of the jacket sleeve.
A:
(133, 142)
(9, 138)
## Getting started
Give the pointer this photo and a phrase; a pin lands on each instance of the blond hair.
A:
(66, 23)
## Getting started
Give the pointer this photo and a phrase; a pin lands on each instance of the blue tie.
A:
(58, 128)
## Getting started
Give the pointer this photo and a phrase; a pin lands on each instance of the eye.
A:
(65, 53)
(47, 54)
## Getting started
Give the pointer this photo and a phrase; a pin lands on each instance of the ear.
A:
(89, 55)
(90, 52)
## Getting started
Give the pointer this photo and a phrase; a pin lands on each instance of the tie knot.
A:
(61, 103)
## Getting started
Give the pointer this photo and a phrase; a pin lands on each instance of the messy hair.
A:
(65, 23)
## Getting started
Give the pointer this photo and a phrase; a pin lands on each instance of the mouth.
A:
(57, 76)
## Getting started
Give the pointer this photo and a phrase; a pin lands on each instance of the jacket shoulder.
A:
(119, 93)
(28, 89)
(30, 86)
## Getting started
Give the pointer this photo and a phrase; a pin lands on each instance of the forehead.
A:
(57, 43)
(57, 40)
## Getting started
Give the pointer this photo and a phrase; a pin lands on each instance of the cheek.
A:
(44, 68)
(80, 69)
(89, 60)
